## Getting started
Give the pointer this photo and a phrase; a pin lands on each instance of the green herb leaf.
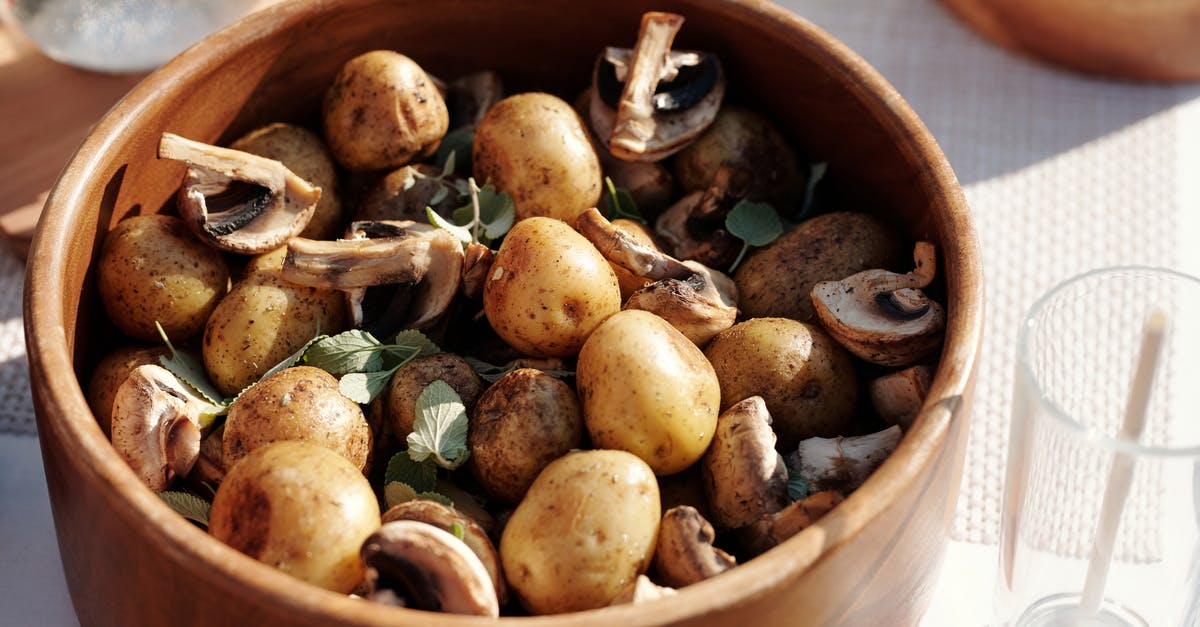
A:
(492, 373)
(621, 203)
(349, 351)
(436, 497)
(457, 530)
(290, 360)
(455, 149)
(496, 212)
(439, 195)
(395, 493)
(420, 476)
(755, 223)
(190, 370)
(411, 344)
(440, 428)
(462, 234)
(798, 489)
(187, 505)
(363, 387)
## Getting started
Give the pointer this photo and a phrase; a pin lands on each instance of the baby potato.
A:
(584, 532)
(300, 508)
(522, 422)
(383, 111)
(548, 289)
(535, 147)
(400, 399)
(806, 378)
(152, 269)
(648, 390)
(110, 373)
(300, 403)
(263, 320)
(303, 152)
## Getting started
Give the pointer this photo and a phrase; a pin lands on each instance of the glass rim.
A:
(1062, 417)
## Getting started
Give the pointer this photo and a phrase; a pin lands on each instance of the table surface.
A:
(1063, 173)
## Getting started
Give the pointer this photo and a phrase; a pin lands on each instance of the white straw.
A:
(1121, 476)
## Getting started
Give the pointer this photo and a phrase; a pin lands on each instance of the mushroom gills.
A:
(232, 204)
(688, 78)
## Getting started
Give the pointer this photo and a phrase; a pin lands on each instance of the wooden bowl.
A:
(1154, 40)
(129, 560)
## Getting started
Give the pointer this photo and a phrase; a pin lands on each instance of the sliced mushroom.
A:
(744, 477)
(642, 590)
(884, 317)
(209, 467)
(477, 262)
(156, 423)
(417, 565)
(446, 518)
(685, 553)
(844, 463)
(434, 295)
(897, 397)
(666, 98)
(770, 531)
(237, 201)
(345, 264)
(694, 227)
(698, 301)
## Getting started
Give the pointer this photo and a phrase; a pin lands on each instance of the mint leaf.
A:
(460, 233)
(350, 351)
(621, 204)
(187, 505)
(440, 428)
(190, 370)
(420, 476)
(496, 212)
(363, 387)
(395, 493)
(435, 497)
(411, 344)
(291, 360)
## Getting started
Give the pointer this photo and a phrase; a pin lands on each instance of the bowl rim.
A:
(64, 414)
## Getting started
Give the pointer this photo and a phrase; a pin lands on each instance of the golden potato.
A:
(262, 321)
(383, 111)
(745, 139)
(535, 147)
(300, 508)
(548, 289)
(806, 378)
(647, 389)
(304, 153)
(152, 269)
(584, 532)
(524, 421)
(776, 280)
(300, 403)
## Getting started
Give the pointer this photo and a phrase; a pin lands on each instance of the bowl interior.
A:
(275, 65)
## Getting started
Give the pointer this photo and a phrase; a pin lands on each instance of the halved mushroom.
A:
(477, 262)
(696, 300)
(447, 518)
(884, 317)
(685, 553)
(897, 397)
(844, 463)
(744, 477)
(156, 423)
(770, 531)
(650, 102)
(414, 564)
(237, 201)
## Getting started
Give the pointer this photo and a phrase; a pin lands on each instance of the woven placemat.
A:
(16, 404)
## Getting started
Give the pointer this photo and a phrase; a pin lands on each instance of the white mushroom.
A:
(237, 201)
(156, 423)
(642, 591)
(744, 477)
(898, 396)
(685, 553)
(884, 317)
(844, 463)
(666, 98)
(417, 565)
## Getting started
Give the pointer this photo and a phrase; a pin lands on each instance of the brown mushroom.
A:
(696, 300)
(685, 553)
(417, 565)
(884, 317)
(477, 262)
(770, 531)
(666, 99)
(237, 201)
(898, 396)
(744, 477)
(156, 424)
(447, 518)
(694, 227)
(844, 463)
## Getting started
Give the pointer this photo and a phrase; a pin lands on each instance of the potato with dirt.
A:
(399, 401)
(524, 421)
(647, 389)
(152, 269)
(301, 403)
(548, 289)
(806, 378)
(776, 280)
(584, 532)
(535, 147)
(264, 319)
(300, 508)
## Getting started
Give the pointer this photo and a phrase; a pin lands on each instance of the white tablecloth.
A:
(1063, 173)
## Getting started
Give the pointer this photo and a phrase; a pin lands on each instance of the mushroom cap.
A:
(237, 201)
(156, 425)
(898, 396)
(685, 553)
(770, 531)
(744, 477)
(423, 567)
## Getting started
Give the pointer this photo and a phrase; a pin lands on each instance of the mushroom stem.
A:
(925, 262)
(844, 463)
(345, 264)
(772, 530)
(622, 249)
(637, 99)
(685, 553)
